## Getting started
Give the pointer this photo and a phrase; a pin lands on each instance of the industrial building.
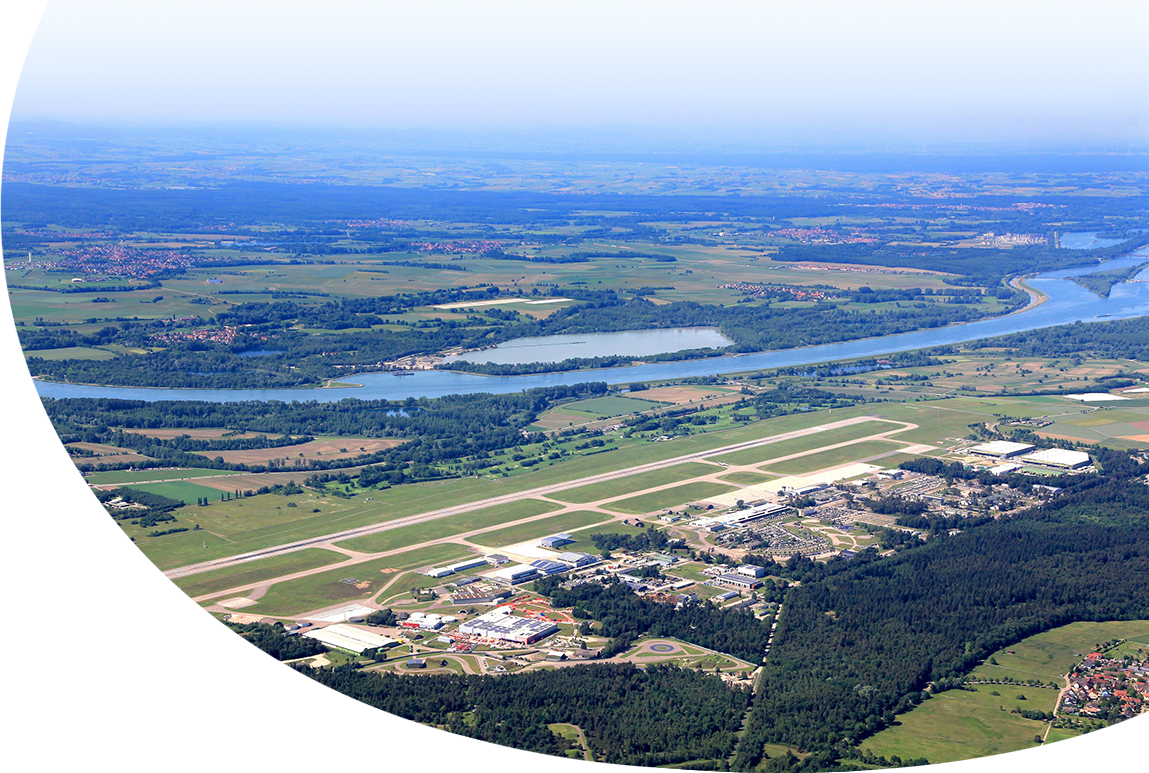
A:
(501, 624)
(549, 567)
(462, 566)
(481, 595)
(751, 570)
(1001, 449)
(577, 560)
(513, 575)
(557, 541)
(738, 581)
(497, 559)
(1058, 457)
(348, 637)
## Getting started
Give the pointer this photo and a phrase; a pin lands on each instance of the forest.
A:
(1116, 339)
(438, 430)
(623, 614)
(659, 715)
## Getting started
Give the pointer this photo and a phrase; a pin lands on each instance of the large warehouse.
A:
(349, 637)
(1058, 457)
(500, 624)
(1001, 449)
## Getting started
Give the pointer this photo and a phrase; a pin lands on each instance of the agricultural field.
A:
(325, 448)
(186, 491)
(125, 477)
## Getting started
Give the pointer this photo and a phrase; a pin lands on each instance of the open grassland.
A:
(447, 527)
(806, 443)
(199, 433)
(124, 602)
(543, 527)
(185, 491)
(324, 589)
(116, 477)
(72, 353)
(1049, 655)
(833, 457)
(320, 448)
(671, 497)
(742, 478)
(959, 724)
(621, 486)
(606, 407)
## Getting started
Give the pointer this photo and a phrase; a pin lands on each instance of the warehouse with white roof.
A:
(1058, 457)
(1001, 449)
(349, 637)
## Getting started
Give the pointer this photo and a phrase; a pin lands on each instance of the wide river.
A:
(1068, 302)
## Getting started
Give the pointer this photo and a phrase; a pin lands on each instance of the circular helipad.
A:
(662, 648)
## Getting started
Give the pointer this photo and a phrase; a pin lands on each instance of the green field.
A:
(959, 724)
(543, 527)
(833, 457)
(135, 600)
(671, 497)
(1048, 656)
(187, 492)
(446, 527)
(72, 353)
(606, 407)
(805, 443)
(621, 486)
(143, 476)
(747, 478)
(304, 594)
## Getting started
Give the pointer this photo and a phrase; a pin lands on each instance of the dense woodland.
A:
(622, 613)
(1114, 339)
(435, 430)
(652, 716)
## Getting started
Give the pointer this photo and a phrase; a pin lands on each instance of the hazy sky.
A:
(983, 71)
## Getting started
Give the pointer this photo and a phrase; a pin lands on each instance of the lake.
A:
(1068, 302)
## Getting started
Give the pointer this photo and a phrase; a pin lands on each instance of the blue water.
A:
(1085, 241)
(630, 343)
(1068, 302)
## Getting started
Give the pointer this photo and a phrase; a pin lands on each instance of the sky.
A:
(743, 73)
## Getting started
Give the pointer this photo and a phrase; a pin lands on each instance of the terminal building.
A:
(501, 624)
(1001, 449)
